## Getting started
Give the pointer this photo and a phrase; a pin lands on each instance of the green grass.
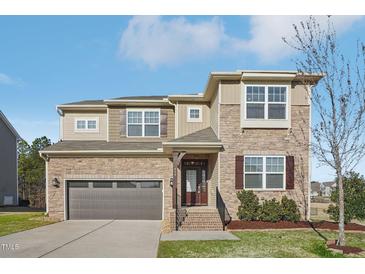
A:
(11, 223)
(262, 244)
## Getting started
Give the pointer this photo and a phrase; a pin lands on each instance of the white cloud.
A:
(267, 32)
(156, 41)
(159, 41)
(7, 80)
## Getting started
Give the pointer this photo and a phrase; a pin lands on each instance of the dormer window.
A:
(194, 114)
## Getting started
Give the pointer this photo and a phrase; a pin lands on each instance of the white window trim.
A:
(143, 110)
(266, 103)
(194, 120)
(86, 122)
(264, 173)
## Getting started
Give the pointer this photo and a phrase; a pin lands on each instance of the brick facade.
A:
(106, 168)
(292, 141)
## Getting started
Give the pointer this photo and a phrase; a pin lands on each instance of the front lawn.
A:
(11, 223)
(260, 244)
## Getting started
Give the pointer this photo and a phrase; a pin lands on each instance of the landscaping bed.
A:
(243, 225)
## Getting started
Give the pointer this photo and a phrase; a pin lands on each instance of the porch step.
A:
(202, 219)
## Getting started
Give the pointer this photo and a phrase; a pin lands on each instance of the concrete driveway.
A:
(85, 239)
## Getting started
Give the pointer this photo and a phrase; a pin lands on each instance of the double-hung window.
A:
(266, 102)
(143, 123)
(86, 124)
(264, 172)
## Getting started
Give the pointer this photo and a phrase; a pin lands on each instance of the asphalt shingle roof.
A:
(204, 135)
(102, 145)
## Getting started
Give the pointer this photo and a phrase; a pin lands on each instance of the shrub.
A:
(250, 206)
(290, 211)
(354, 189)
(271, 211)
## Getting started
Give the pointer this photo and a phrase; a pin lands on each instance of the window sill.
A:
(266, 190)
(259, 123)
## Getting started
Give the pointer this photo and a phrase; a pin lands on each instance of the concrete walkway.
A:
(198, 236)
(85, 239)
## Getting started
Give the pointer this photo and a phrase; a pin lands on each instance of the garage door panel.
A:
(124, 200)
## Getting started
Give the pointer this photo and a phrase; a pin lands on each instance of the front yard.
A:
(11, 223)
(276, 244)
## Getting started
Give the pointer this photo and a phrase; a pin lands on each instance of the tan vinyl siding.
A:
(115, 126)
(299, 95)
(186, 127)
(230, 92)
(68, 127)
(214, 112)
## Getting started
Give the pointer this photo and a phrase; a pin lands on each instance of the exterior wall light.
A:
(55, 182)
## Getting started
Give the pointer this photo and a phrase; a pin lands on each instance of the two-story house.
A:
(182, 158)
(9, 138)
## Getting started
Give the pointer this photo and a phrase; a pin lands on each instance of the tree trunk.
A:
(341, 206)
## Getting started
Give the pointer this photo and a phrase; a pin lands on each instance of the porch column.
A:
(176, 160)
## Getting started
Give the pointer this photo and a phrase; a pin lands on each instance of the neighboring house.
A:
(316, 189)
(327, 188)
(142, 157)
(8, 163)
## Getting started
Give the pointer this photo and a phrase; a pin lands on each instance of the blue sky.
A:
(45, 61)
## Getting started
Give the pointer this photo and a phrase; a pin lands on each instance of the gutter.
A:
(191, 144)
(44, 154)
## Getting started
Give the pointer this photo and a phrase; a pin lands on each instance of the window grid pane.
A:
(134, 130)
(151, 130)
(135, 117)
(277, 111)
(81, 124)
(151, 117)
(253, 164)
(255, 111)
(253, 181)
(255, 94)
(274, 180)
(194, 113)
(91, 124)
(277, 94)
(274, 164)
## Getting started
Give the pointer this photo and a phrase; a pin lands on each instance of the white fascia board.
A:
(159, 151)
(135, 101)
(9, 126)
(195, 144)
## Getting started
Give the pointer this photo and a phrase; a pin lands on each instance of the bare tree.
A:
(338, 100)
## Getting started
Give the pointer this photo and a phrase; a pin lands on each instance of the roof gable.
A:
(9, 125)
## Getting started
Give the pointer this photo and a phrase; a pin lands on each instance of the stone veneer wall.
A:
(292, 141)
(106, 168)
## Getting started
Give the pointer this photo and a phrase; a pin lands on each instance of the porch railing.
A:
(222, 210)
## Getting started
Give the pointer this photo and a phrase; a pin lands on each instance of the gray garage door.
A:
(124, 200)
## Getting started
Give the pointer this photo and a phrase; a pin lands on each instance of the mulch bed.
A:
(242, 225)
(345, 249)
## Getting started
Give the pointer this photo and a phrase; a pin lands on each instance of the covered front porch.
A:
(195, 179)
